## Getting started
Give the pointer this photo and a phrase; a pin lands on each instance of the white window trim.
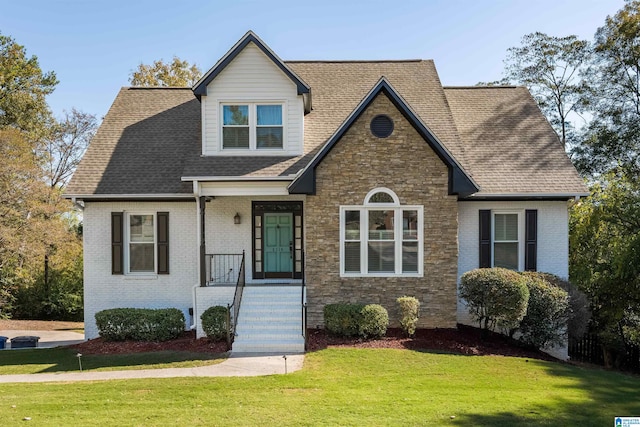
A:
(253, 125)
(521, 231)
(127, 241)
(397, 229)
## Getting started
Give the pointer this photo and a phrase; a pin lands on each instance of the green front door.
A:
(278, 242)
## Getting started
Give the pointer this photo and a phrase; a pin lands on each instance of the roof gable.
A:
(459, 181)
(200, 88)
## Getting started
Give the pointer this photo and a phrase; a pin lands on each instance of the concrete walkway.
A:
(237, 365)
(234, 366)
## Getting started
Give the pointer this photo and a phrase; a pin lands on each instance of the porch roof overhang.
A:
(232, 186)
(460, 182)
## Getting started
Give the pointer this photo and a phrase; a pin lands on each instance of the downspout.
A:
(203, 267)
(194, 299)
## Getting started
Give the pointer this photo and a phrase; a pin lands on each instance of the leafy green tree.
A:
(177, 73)
(552, 68)
(605, 256)
(613, 139)
(23, 88)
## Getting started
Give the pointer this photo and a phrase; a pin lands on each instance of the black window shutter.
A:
(485, 238)
(163, 242)
(116, 243)
(531, 240)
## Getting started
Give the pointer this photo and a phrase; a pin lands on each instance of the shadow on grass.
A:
(605, 395)
(65, 360)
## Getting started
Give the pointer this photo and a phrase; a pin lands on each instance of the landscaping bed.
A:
(186, 342)
(463, 340)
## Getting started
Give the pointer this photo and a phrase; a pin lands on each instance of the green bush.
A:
(545, 323)
(343, 319)
(495, 296)
(409, 307)
(140, 324)
(373, 322)
(61, 299)
(214, 322)
(353, 319)
(579, 313)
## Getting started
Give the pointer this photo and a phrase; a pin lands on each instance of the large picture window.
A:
(381, 237)
(252, 126)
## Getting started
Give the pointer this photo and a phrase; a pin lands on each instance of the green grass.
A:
(345, 387)
(32, 361)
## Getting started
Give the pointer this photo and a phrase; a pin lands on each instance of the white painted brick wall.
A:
(553, 242)
(103, 290)
(225, 237)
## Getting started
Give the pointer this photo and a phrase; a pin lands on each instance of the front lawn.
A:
(31, 361)
(346, 387)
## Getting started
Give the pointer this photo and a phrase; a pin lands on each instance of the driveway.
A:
(48, 339)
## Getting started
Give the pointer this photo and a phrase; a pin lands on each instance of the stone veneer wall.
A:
(406, 164)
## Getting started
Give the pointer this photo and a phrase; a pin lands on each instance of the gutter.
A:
(525, 196)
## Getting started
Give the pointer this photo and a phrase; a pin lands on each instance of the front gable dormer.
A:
(252, 104)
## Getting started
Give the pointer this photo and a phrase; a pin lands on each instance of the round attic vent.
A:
(381, 126)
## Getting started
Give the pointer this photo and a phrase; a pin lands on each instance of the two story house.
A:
(304, 183)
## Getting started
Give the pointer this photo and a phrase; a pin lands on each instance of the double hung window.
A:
(140, 243)
(252, 126)
(142, 238)
(381, 237)
(506, 240)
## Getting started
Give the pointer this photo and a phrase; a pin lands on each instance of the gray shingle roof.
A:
(150, 137)
(142, 144)
(509, 145)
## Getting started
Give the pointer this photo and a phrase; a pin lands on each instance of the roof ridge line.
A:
(483, 87)
(348, 61)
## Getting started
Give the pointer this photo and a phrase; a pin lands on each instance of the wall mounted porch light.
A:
(236, 218)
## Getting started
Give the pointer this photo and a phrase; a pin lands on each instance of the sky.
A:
(93, 46)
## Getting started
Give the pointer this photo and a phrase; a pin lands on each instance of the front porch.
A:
(251, 261)
(262, 317)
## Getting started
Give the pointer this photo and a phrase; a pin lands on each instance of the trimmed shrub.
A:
(343, 319)
(140, 324)
(409, 307)
(545, 323)
(495, 297)
(579, 313)
(214, 323)
(374, 321)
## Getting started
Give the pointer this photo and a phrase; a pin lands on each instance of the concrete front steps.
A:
(270, 320)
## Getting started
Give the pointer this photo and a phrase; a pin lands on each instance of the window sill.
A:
(368, 275)
(141, 276)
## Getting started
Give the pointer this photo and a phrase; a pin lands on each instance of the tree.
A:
(66, 145)
(613, 139)
(23, 88)
(552, 69)
(605, 256)
(177, 73)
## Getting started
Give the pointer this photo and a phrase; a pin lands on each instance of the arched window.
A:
(381, 237)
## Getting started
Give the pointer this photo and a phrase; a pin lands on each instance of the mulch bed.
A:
(186, 342)
(463, 340)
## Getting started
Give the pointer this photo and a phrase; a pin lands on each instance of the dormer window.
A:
(252, 126)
